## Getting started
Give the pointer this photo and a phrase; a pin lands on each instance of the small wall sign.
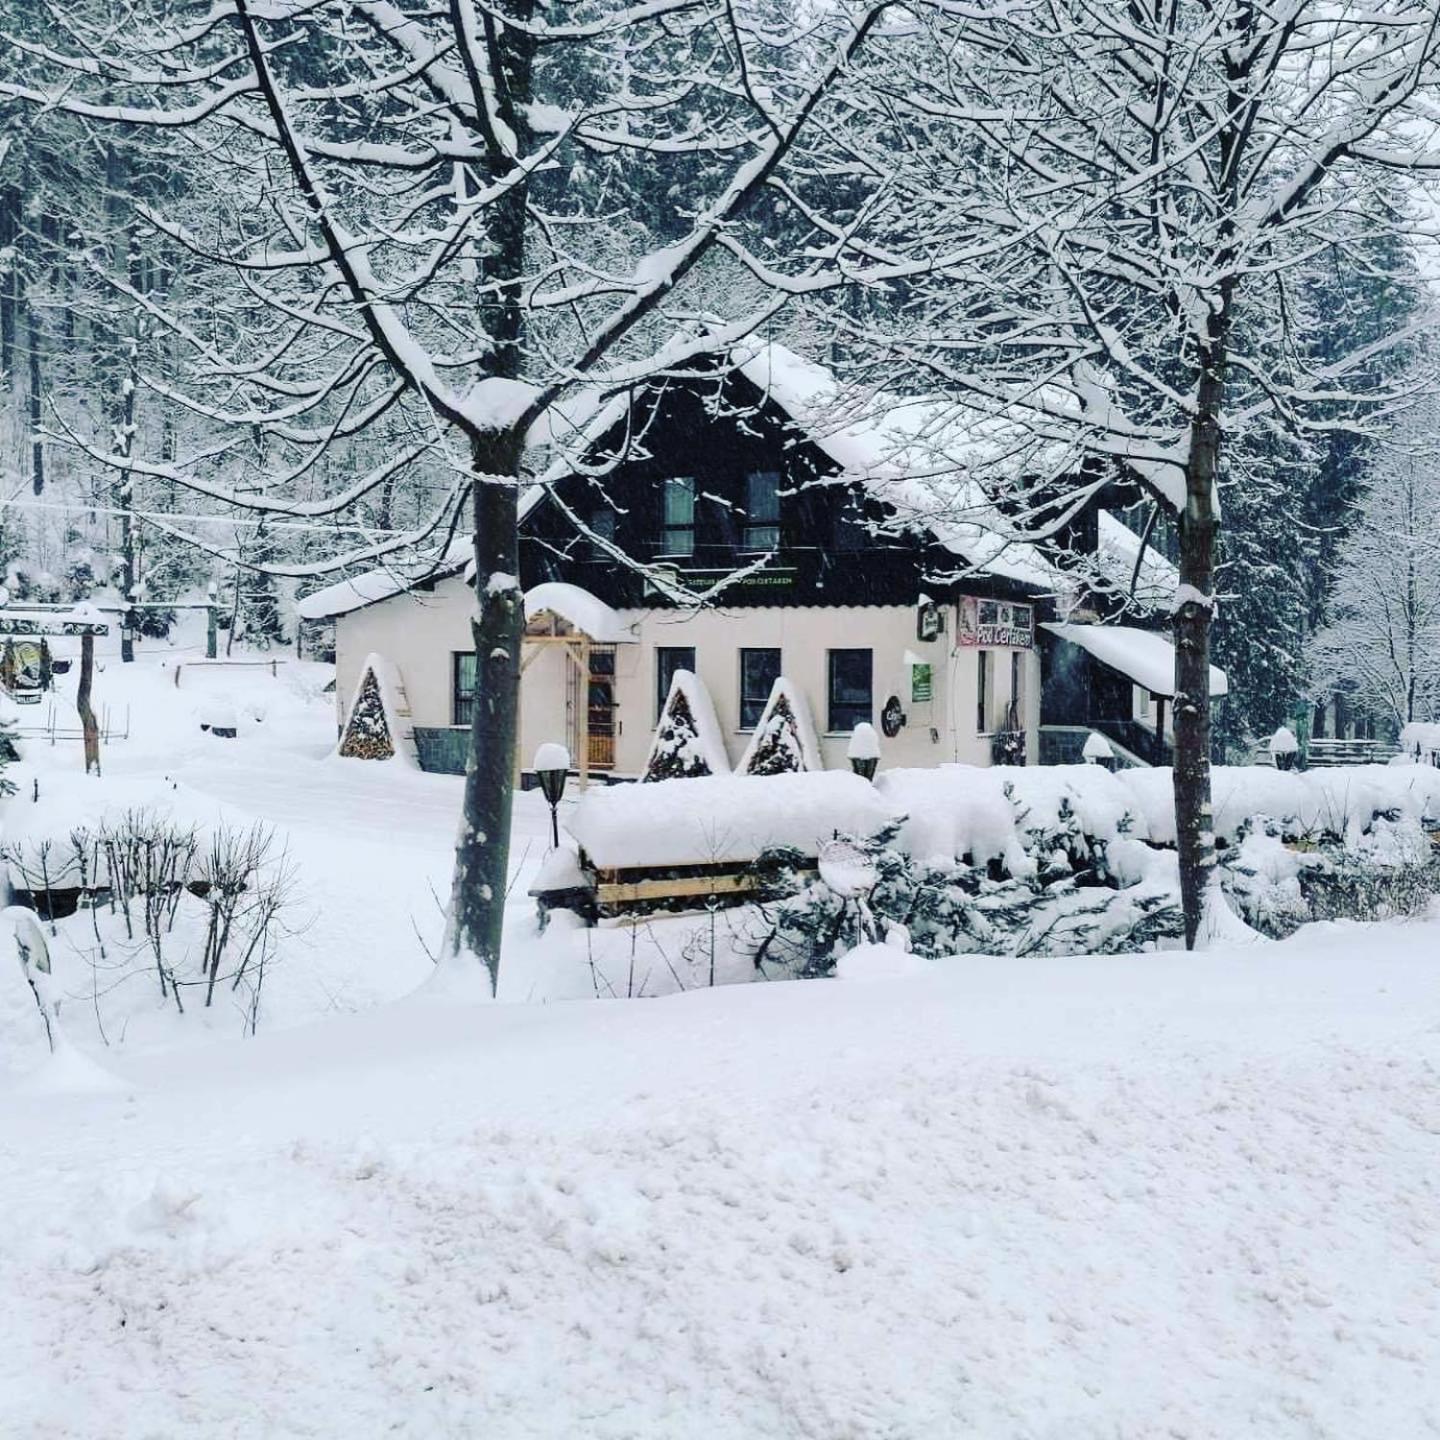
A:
(921, 684)
(892, 717)
(929, 620)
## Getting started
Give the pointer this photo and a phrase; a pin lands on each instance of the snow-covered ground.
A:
(1121, 1197)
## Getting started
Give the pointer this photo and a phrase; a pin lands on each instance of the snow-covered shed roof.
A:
(1141, 655)
(383, 583)
(586, 612)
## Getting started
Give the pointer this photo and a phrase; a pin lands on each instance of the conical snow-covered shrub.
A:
(687, 740)
(785, 739)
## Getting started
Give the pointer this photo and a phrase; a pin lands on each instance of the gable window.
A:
(851, 689)
(759, 670)
(669, 659)
(762, 510)
(678, 534)
(984, 671)
(462, 687)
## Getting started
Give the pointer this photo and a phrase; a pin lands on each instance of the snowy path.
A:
(1120, 1197)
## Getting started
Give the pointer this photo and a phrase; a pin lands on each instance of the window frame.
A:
(834, 724)
(462, 704)
(662, 686)
(685, 549)
(746, 698)
(763, 533)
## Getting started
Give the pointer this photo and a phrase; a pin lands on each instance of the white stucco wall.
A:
(420, 633)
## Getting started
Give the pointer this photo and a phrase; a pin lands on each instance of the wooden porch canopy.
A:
(568, 617)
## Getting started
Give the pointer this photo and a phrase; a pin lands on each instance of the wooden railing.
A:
(1349, 752)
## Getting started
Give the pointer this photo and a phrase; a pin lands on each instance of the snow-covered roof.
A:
(586, 612)
(1117, 549)
(382, 583)
(1142, 655)
(924, 458)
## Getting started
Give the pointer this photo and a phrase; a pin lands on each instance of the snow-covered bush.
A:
(199, 911)
(1284, 748)
(784, 739)
(1387, 870)
(947, 907)
(687, 739)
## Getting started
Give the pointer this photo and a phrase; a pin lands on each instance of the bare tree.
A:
(1381, 641)
(424, 213)
(1099, 228)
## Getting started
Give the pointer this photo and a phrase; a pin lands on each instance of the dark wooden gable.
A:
(717, 434)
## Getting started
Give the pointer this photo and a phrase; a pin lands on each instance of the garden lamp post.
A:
(552, 769)
(863, 751)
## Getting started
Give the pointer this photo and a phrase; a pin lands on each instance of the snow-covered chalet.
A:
(861, 572)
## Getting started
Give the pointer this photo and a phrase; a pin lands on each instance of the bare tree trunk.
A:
(35, 343)
(89, 729)
(9, 283)
(1194, 611)
(482, 853)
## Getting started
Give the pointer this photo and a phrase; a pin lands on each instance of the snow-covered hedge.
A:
(1016, 816)
(719, 819)
(1343, 800)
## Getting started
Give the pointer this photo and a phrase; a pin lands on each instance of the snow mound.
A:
(68, 1072)
(881, 962)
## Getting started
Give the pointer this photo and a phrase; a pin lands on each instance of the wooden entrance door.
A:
(601, 702)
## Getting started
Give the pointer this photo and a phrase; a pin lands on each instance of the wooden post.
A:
(89, 730)
(212, 627)
(584, 717)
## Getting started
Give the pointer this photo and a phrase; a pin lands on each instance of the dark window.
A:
(759, 670)
(851, 700)
(1017, 713)
(462, 687)
(602, 527)
(982, 692)
(850, 533)
(762, 510)
(678, 535)
(669, 659)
